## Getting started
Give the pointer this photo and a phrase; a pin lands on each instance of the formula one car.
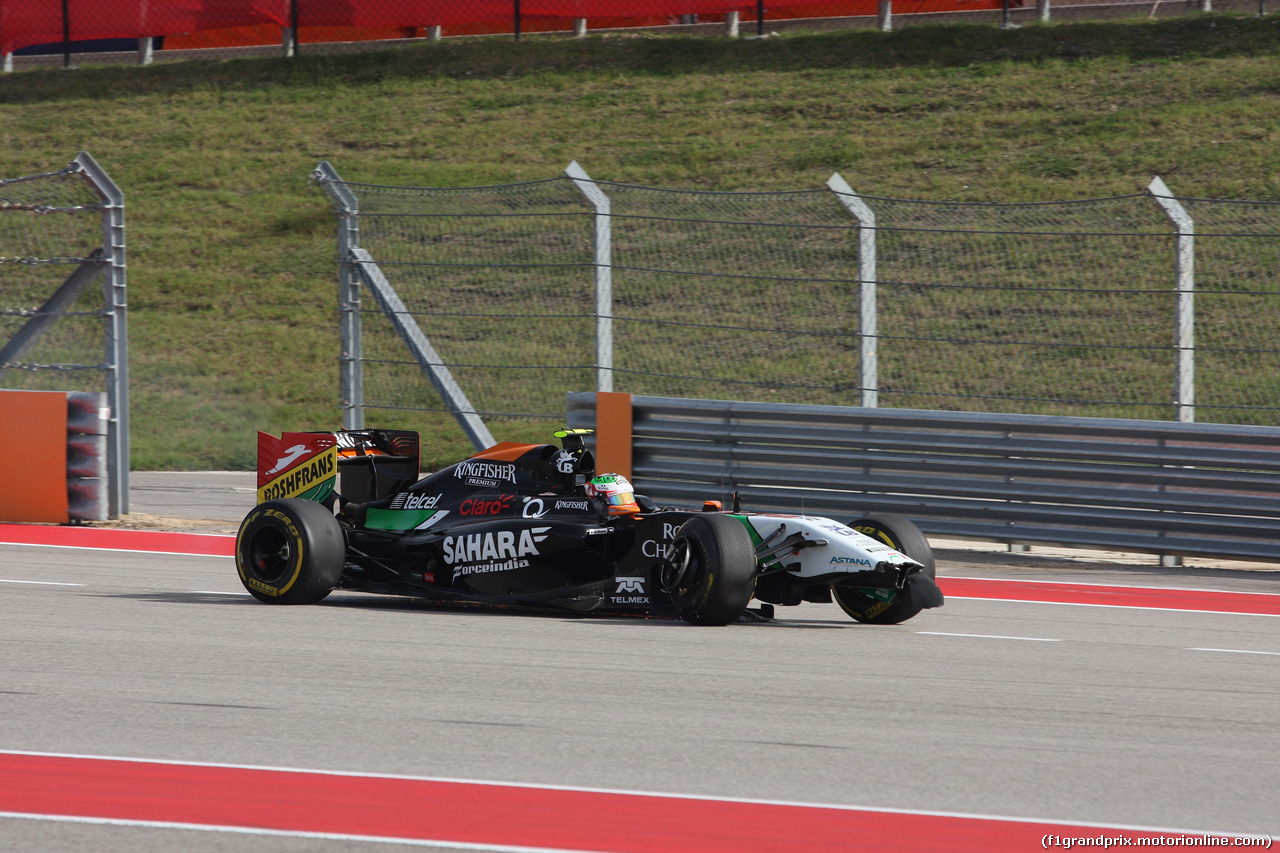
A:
(534, 525)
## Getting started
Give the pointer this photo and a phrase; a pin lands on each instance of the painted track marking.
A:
(484, 815)
(119, 539)
(991, 637)
(1099, 595)
(1030, 591)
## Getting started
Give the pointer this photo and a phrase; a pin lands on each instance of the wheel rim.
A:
(675, 570)
(270, 555)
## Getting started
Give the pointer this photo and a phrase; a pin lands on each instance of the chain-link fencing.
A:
(1237, 274)
(62, 296)
(49, 224)
(1101, 308)
(753, 294)
(1045, 309)
(79, 32)
(497, 278)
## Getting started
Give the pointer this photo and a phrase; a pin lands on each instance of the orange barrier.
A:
(33, 429)
(268, 34)
(227, 23)
(613, 433)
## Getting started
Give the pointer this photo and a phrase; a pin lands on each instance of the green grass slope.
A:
(232, 276)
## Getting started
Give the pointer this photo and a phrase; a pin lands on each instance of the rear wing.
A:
(359, 465)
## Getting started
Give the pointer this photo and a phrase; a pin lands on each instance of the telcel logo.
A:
(416, 501)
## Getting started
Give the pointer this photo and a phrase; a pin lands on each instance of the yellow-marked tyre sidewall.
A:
(898, 533)
(725, 568)
(290, 551)
(862, 614)
(269, 516)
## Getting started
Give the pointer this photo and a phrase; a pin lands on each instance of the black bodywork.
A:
(517, 524)
(512, 525)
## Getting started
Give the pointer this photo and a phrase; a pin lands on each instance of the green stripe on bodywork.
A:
(319, 493)
(396, 519)
(755, 539)
(742, 519)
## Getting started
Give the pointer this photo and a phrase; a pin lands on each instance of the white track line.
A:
(990, 637)
(325, 836)
(634, 793)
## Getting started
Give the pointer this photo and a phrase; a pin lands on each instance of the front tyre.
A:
(889, 607)
(290, 551)
(711, 570)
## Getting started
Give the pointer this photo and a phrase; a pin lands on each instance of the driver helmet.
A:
(616, 492)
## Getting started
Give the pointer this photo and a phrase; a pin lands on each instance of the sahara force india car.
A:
(534, 525)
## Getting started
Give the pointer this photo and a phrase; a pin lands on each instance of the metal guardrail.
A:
(1173, 489)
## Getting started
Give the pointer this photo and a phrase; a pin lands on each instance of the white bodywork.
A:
(846, 550)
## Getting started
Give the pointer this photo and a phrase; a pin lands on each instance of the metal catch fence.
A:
(61, 233)
(1145, 306)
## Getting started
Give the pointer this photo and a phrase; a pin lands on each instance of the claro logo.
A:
(478, 506)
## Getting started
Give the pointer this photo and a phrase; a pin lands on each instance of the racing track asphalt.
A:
(1124, 717)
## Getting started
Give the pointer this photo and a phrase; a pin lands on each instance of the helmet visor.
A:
(627, 498)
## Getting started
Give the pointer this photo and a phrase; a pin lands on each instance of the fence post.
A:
(1042, 11)
(289, 36)
(350, 325)
(579, 27)
(117, 345)
(884, 16)
(731, 24)
(429, 361)
(1184, 269)
(866, 219)
(66, 34)
(603, 272)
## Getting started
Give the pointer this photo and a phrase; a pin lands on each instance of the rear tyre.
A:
(290, 551)
(711, 571)
(889, 607)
